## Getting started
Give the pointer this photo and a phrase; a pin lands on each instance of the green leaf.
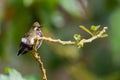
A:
(13, 74)
(95, 28)
(86, 30)
(104, 35)
(77, 37)
(33, 77)
(3, 77)
(80, 44)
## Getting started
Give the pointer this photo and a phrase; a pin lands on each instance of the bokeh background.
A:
(98, 60)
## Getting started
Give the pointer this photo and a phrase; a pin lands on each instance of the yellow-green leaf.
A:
(104, 35)
(80, 44)
(86, 30)
(77, 37)
(94, 28)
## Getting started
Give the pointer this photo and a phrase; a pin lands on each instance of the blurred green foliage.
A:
(61, 19)
(15, 75)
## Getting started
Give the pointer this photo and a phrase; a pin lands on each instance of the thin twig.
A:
(38, 59)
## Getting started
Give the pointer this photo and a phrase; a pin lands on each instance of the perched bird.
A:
(27, 40)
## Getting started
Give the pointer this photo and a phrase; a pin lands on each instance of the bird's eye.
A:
(37, 29)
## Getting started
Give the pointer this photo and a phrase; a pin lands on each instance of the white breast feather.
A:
(32, 41)
(24, 40)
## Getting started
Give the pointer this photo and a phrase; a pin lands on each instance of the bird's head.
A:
(36, 26)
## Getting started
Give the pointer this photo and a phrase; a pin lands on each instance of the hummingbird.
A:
(27, 41)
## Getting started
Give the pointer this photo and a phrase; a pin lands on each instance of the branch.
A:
(80, 44)
(38, 59)
(95, 36)
(57, 41)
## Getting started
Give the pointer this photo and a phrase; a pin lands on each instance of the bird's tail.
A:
(22, 51)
